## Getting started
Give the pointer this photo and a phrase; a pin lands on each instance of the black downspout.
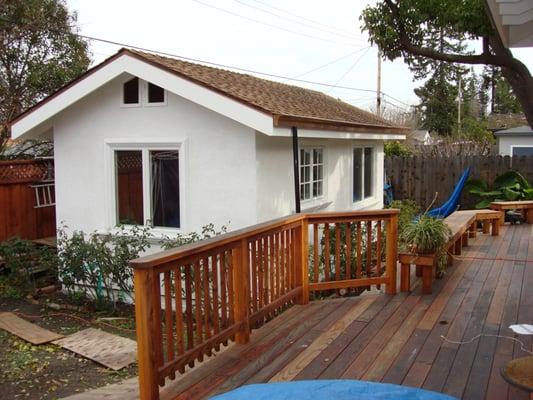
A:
(296, 168)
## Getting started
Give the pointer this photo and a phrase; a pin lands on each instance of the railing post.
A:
(144, 321)
(241, 291)
(391, 255)
(302, 260)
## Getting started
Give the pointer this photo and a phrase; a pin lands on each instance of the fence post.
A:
(241, 291)
(145, 322)
(302, 260)
(391, 252)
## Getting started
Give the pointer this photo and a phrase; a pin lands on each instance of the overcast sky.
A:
(288, 38)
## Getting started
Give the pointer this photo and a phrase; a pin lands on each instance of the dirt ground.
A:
(48, 371)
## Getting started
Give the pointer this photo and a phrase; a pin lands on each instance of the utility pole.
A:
(459, 98)
(492, 90)
(378, 91)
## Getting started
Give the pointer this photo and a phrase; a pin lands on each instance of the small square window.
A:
(156, 94)
(131, 91)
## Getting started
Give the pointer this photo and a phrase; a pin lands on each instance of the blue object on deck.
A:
(452, 203)
(330, 389)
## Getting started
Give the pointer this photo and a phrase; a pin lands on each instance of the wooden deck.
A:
(396, 339)
(388, 338)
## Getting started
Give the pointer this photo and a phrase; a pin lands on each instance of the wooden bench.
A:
(463, 225)
(525, 206)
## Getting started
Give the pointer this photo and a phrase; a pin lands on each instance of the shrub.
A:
(208, 231)
(397, 148)
(21, 258)
(408, 212)
(98, 265)
(509, 186)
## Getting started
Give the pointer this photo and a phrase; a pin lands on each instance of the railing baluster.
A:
(223, 301)
(348, 234)
(368, 248)
(188, 303)
(179, 309)
(198, 303)
(260, 272)
(378, 248)
(231, 289)
(337, 252)
(207, 300)
(169, 328)
(253, 268)
(315, 254)
(359, 250)
(326, 252)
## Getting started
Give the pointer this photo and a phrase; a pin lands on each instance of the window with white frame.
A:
(130, 92)
(155, 94)
(311, 173)
(147, 183)
(522, 150)
(363, 173)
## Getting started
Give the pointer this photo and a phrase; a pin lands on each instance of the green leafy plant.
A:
(509, 186)
(408, 212)
(21, 260)
(208, 231)
(397, 148)
(427, 235)
(97, 266)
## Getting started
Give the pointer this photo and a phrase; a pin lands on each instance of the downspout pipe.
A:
(296, 164)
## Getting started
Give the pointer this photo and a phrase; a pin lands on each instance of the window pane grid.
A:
(311, 173)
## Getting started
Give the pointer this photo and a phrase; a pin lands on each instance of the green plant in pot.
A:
(427, 235)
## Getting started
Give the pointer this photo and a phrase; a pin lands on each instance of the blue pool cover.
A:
(329, 389)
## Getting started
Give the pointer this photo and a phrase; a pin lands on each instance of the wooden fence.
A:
(24, 209)
(419, 178)
(191, 300)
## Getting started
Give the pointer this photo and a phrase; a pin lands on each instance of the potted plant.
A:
(427, 235)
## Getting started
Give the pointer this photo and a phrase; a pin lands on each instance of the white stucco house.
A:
(515, 141)
(150, 140)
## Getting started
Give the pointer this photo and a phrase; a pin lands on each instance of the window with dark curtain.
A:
(131, 91)
(369, 173)
(156, 94)
(128, 167)
(165, 189)
(357, 174)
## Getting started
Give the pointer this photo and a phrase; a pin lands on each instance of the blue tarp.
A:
(451, 204)
(329, 389)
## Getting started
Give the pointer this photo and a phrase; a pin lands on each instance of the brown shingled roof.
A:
(289, 105)
(278, 99)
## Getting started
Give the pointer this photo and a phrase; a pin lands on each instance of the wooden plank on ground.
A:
(110, 350)
(26, 330)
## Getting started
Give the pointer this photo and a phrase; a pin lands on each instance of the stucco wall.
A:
(275, 185)
(219, 161)
(505, 143)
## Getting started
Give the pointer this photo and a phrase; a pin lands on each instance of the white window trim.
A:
(318, 199)
(132, 105)
(512, 147)
(372, 199)
(112, 145)
(145, 101)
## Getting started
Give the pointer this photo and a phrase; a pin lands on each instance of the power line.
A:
(271, 25)
(349, 70)
(301, 17)
(196, 60)
(329, 63)
(297, 22)
(395, 99)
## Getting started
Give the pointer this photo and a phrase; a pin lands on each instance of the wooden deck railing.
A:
(191, 300)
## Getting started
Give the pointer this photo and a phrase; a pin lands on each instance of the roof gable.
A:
(255, 102)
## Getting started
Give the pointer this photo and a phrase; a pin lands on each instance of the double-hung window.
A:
(311, 173)
(147, 187)
(363, 173)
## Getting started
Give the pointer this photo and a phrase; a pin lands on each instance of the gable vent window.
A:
(131, 91)
(156, 94)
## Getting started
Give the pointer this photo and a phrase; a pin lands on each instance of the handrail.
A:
(191, 300)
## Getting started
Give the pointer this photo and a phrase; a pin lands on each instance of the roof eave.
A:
(335, 125)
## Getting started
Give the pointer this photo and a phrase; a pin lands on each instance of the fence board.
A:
(18, 217)
(420, 177)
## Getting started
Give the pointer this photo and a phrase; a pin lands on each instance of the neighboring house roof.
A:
(524, 130)
(504, 121)
(288, 105)
(420, 135)
(513, 20)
